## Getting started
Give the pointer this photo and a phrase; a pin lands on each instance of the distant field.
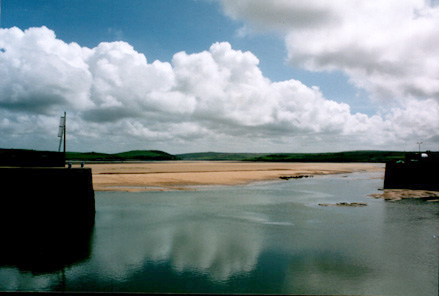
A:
(123, 156)
(349, 156)
(219, 156)
(155, 155)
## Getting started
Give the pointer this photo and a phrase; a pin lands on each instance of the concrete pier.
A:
(47, 196)
(420, 174)
(46, 217)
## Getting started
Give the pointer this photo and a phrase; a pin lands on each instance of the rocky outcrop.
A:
(295, 177)
(345, 204)
(398, 194)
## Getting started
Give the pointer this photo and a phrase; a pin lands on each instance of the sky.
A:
(220, 75)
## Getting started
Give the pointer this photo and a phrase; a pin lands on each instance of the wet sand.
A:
(185, 175)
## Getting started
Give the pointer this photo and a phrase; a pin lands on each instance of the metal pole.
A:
(61, 132)
(64, 134)
(60, 141)
(419, 143)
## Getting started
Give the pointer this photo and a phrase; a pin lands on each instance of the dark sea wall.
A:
(52, 195)
(422, 175)
(46, 217)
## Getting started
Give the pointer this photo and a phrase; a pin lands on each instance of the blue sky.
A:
(346, 52)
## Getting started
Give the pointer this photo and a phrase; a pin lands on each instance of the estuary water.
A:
(269, 238)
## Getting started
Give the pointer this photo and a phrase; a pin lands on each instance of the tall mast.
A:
(64, 133)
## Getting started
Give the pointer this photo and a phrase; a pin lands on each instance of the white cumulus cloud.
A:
(217, 99)
(387, 47)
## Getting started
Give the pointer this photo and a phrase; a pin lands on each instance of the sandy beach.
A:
(184, 175)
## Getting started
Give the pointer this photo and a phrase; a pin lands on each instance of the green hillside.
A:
(145, 155)
(123, 156)
(91, 156)
(26, 156)
(348, 156)
(219, 156)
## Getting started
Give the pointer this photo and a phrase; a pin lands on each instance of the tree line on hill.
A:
(347, 156)
(7, 155)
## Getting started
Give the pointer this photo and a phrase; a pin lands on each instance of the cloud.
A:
(388, 48)
(40, 72)
(280, 14)
(217, 99)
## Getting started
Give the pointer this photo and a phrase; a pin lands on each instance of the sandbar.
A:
(187, 175)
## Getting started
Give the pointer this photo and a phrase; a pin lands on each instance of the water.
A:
(262, 238)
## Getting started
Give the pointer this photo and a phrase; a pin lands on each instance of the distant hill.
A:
(219, 156)
(91, 156)
(133, 155)
(48, 158)
(348, 156)
(146, 155)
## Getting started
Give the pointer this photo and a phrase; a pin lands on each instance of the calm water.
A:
(260, 238)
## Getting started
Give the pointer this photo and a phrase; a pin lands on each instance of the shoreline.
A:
(186, 175)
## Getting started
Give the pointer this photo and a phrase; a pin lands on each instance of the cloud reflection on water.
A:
(215, 247)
